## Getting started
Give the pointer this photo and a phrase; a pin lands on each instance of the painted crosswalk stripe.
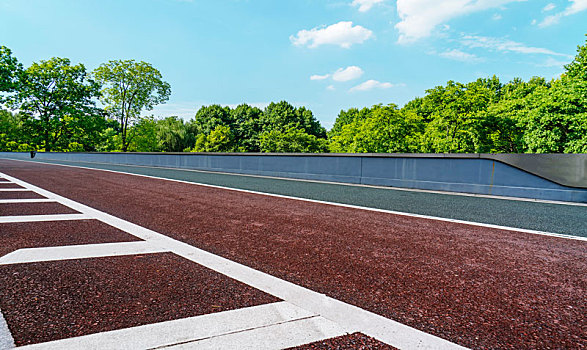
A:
(29, 255)
(26, 200)
(6, 341)
(223, 328)
(35, 218)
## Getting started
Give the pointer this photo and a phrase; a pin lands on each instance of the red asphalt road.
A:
(35, 209)
(356, 341)
(479, 287)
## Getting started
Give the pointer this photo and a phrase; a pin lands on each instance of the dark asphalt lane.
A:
(549, 217)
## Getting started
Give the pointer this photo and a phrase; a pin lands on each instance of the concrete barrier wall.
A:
(468, 174)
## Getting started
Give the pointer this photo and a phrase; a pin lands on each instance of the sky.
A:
(327, 55)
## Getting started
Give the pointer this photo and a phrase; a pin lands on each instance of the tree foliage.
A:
(290, 140)
(10, 71)
(128, 88)
(56, 100)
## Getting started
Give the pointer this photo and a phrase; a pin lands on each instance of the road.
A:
(152, 251)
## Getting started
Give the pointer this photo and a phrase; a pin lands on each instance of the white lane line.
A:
(427, 217)
(14, 190)
(35, 218)
(274, 337)
(30, 255)
(6, 340)
(348, 316)
(187, 330)
(32, 200)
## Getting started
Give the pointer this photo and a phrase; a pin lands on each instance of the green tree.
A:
(290, 140)
(247, 127)
(220, 139)
(130, 87)
(12, 135)
(209, 117)
(454, 119)
(578, 68)
(57, 99)
(381, 129)
(283, 116)
(173, 135)
(10, 71)
(348, 117)
(142, 136)
(505, 121)
(558, 122)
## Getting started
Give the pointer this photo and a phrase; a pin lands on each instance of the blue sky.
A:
(326, 55)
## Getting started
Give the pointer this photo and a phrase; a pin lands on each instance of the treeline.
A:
(280, 127)
(56, 103)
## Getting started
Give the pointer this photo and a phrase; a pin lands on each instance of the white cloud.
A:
(551, 62)
(505, 45)
(342, 34)
(330, 87)
(496, 17)
(319, 77)
(349, 73)
(459, 55)
(370, 85)
(549, 7)
(365, 5)
(576, 6)
(420, 17)
(341, 74)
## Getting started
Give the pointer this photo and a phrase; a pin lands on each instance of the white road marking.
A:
(274, 337)
(35, 218)
(32, 200)
(14, 190)
(345, 315)
(6, 341)
(192, 330)
(420, 216)
(30, 255)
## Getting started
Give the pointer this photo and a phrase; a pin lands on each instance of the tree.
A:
(57, 99)
(348, 117)
(291, 140)
(220, 139)
(247, 128)
(578, 68)
(10, 71)
(454, 124)
(505, 121)
(558, 121)
(380, 129)
(221, 128)
(173, 135)
(130, 87)
(209, 117)
(283, 116)
(12, 135)
(143, 135)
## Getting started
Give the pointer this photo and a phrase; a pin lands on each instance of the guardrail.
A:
(539, 176)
